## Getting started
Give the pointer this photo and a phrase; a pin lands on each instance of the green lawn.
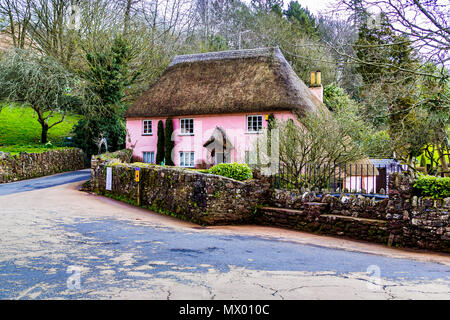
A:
(15, 150)
(19, 126)
(20, 130)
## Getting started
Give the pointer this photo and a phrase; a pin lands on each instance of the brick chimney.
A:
(316, 84)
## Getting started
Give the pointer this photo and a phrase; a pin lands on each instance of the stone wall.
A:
(402, 220)
(188, 194)
(33, 165)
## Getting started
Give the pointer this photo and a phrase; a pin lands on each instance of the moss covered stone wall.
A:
(32, 165)
(190, 195)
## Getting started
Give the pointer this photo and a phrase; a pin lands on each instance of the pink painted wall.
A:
(357, 183)
(235, 126)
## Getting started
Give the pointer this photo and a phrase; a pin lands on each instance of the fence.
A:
(351, 178)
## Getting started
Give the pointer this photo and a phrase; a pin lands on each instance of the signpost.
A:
(109, 178)
(137, 172)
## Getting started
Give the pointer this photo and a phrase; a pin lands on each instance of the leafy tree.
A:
(301, 17)
(390, 90)
(109, 73)
(425, 23)
(217, 43)
(88, 131)
(169, 143)
(376, 48)
(266, 5)
(160, 151)
(41, 82)
(108, 77)
(433, 101)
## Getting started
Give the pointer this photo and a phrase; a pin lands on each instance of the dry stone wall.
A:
(33, 165)
(188, 194)
(401, 220)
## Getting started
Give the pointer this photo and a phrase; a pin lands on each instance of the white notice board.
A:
(108, 178)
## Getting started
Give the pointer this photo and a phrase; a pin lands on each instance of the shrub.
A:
(168, 142)
(160, 149)
(431, 186)
(237, 171)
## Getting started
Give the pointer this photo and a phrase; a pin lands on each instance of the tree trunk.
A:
(127, 17)
(444, 164)
(44, 133)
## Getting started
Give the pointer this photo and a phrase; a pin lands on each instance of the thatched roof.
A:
(254, 80)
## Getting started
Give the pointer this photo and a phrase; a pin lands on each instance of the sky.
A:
(315, 6)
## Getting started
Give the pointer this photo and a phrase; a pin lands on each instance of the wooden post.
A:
(139, 194)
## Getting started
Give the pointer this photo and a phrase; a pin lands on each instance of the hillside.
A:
(19, 126)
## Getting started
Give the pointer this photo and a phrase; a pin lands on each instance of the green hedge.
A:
(237, 171)
(430, 186)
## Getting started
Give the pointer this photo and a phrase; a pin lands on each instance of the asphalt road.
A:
(60, 243)
(44, 182)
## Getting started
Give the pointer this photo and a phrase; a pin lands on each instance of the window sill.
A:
(256, 132)
(147, 134)
(186, 135)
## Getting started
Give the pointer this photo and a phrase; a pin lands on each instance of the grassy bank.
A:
(15, 150)
(19, 127)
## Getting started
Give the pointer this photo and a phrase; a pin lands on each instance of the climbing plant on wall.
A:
(169, 144)
(161, 143)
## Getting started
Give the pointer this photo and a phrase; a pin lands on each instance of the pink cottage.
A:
(227, 94)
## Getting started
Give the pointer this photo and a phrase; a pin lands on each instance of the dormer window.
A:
(187, 127)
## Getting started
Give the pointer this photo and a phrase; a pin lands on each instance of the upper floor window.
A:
(147, 127)
(187, 126)
(254, 124)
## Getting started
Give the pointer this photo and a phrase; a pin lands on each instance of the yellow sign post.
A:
(137, 172)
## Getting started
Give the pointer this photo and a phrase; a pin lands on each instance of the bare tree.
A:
(319, 144)
(424, 23)
(17, 14)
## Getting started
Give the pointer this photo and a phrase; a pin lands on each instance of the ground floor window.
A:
(149, 157)
(187, 159)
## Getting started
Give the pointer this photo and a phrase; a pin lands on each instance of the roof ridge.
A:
(227, 54)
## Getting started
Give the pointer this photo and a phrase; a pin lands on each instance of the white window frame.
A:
(254, 116)
(191, 157)
(143, 128)
(184, 133)
(151, 152)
